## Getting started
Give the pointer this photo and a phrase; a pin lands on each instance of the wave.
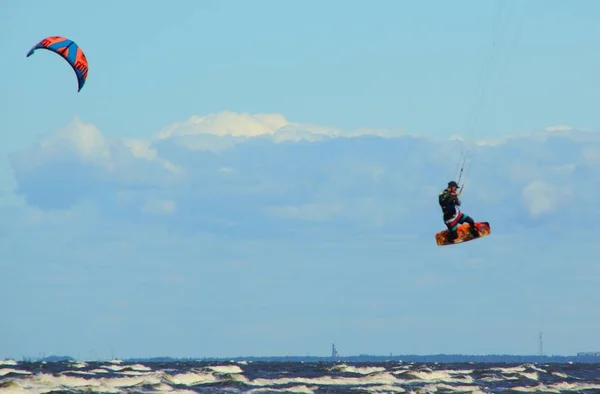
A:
(302, 378)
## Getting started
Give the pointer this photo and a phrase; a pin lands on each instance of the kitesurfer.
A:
(449, 202)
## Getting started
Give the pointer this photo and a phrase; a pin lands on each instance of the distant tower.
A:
(334, 352)
(541, 346)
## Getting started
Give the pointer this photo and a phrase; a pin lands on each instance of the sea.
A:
(117, 376)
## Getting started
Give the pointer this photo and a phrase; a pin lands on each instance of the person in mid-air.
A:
(449, 202)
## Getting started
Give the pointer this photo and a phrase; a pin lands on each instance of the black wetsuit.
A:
(448, 203)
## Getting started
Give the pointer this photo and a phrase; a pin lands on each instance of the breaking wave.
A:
(294, 377)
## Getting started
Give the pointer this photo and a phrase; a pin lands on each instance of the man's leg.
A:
(467, 219)
(452, 235)
(452, 223)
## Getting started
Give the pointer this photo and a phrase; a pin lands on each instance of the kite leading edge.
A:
(69, 51)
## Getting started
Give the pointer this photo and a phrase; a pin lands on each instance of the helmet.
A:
(452, 184)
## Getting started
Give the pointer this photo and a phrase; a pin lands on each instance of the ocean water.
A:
(295, 377)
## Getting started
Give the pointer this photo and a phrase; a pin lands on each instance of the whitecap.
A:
(6, 371)
(225, 368)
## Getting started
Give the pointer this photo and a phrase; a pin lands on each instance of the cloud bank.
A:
(240, 223)
(260, 173)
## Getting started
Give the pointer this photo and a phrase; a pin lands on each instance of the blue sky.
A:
(261, 178)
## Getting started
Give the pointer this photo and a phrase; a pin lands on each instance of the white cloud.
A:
(227, 124)
(198, 132)
(559, 128)
(541, 198)
(230, 171)
(556, 131)
(84, 140)
(78, 162)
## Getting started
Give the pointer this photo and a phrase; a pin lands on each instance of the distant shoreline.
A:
(438, 358)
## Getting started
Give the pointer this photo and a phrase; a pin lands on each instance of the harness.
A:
(453, 221)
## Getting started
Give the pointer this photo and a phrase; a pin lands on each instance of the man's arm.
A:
(442, 199)
(455, 199)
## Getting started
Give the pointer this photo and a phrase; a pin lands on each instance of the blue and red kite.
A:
(69, 51)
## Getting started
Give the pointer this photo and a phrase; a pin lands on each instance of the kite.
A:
(69, 51)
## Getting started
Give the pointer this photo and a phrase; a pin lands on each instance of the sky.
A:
(260, 178)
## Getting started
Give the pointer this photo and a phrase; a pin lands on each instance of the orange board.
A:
(464, 235)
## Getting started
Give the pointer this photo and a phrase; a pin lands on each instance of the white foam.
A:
(109, 383)
(506, 370)
(42, 383)
(11, 388)
(8, 362)
(564, 386)
(530, 375)
(375, 379)
(360, 370)
(226, 368)
(535, 368)
(445, 376)
(296, 389)
(79, 372)
(491, 379)
(384, 389)
(431, 388)
(191, 378)
(6, 371)
(540, 387)
(520, 370)
(135, 373)
(558, 387)
(99, 370)
(135, 367)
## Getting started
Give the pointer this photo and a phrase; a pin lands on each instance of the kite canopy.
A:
(69, 51)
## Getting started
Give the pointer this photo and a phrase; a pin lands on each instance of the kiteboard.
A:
(464, 235)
